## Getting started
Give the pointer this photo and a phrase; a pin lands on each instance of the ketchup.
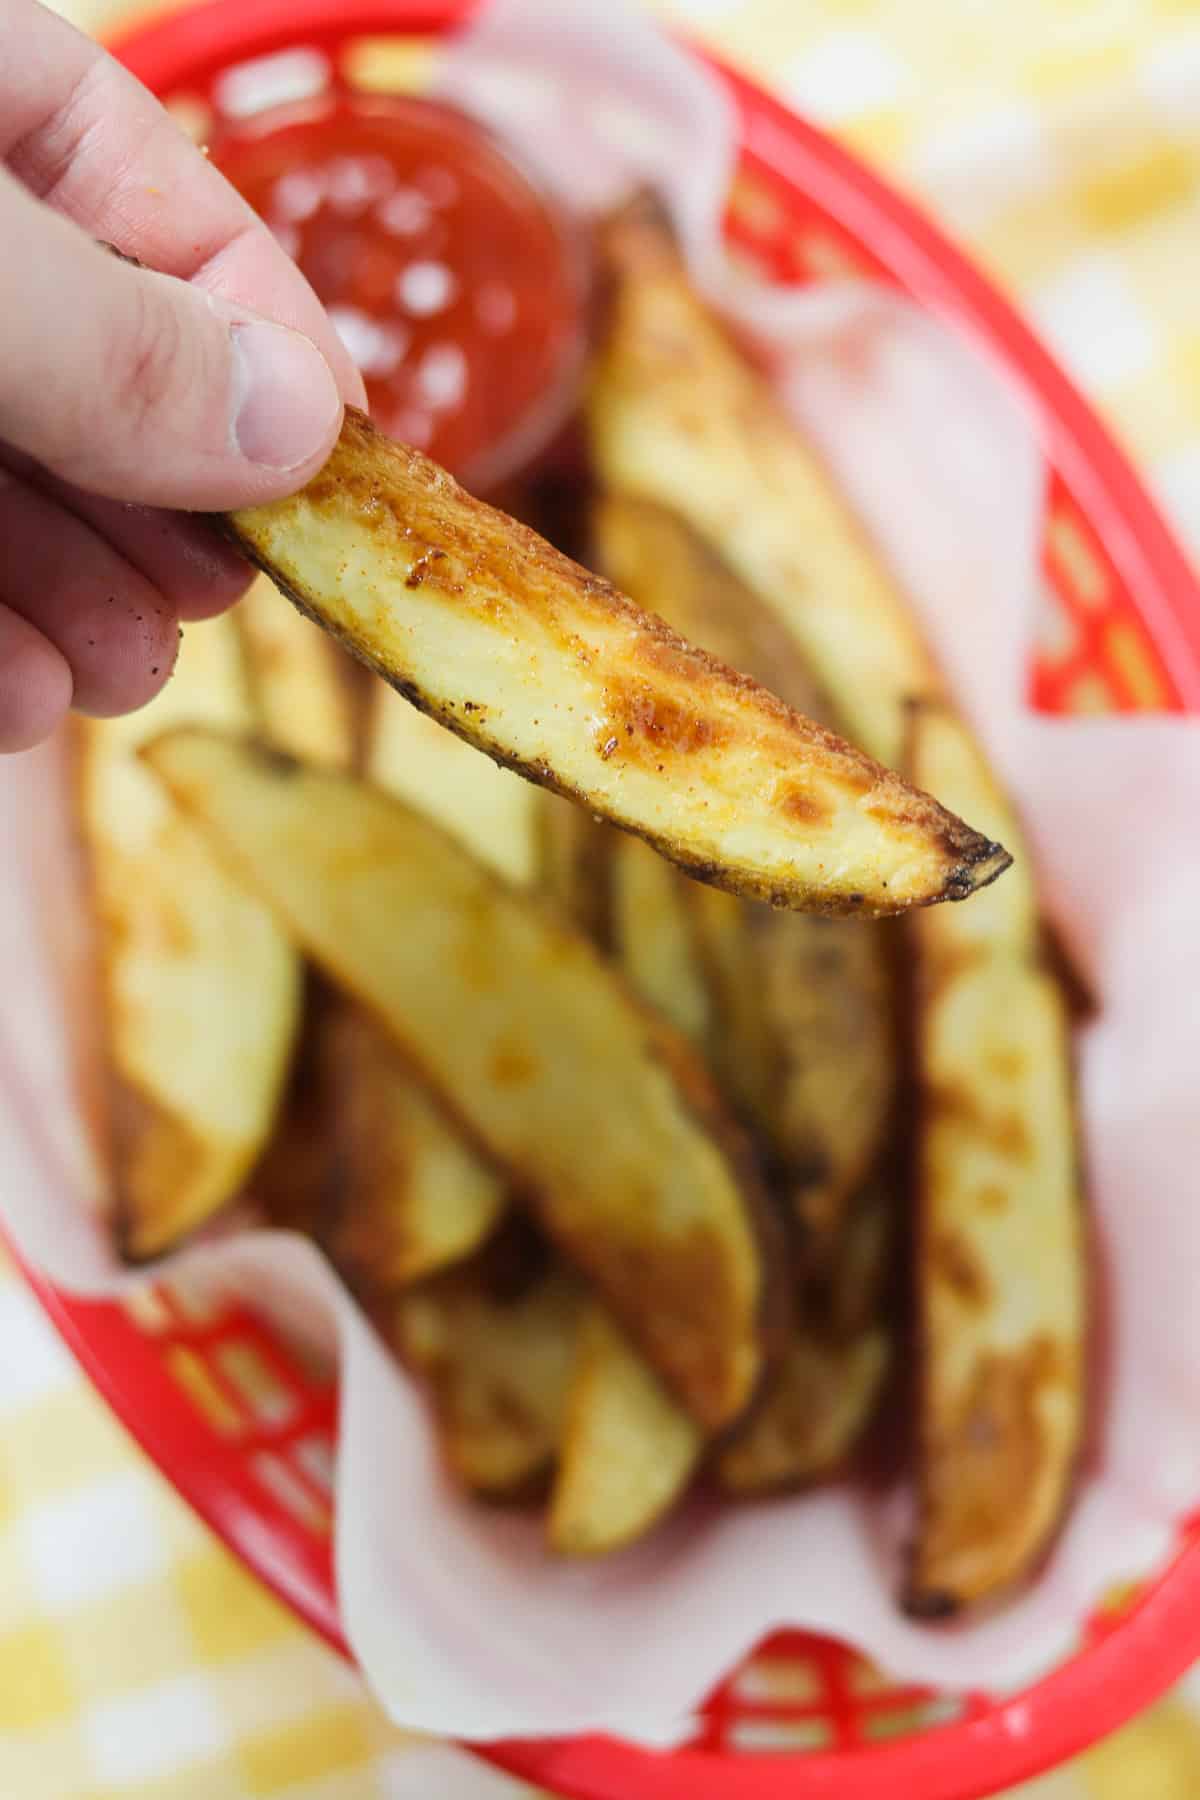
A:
(453, 284)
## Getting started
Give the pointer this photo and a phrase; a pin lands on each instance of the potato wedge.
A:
(818, 1402)
(798, 1020)
(497, 1362)
(552, 672)
(487, 808)
(1000, 1270)
(425, 1194)
(365, 1156)
(677, 414)
(603, 1116)
(573, 853)
(804, 1038)
(194, 1074)
(302, 686)
(628, 1448)
(666, 565)
(291, 1184)
(653, 938)
(409, 1194)
(858, 1289)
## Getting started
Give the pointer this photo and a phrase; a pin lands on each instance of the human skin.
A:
(131, 396)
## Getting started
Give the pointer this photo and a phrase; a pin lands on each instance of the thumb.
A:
(143, 388)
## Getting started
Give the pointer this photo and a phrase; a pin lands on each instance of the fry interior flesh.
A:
(550, 670)
(602, 1115)
(1000, 1254)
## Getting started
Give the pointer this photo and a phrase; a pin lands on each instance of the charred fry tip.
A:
(978, 871)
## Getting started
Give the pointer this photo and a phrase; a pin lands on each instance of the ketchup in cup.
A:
(452, 281)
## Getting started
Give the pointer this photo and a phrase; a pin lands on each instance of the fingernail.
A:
(286, 402)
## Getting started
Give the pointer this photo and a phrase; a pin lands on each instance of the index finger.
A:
(86, 137)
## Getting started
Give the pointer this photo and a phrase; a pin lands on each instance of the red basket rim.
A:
(1129, 1666)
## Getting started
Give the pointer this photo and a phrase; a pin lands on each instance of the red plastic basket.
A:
(247, 1433)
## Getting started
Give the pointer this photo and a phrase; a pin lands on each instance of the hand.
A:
(126, 395)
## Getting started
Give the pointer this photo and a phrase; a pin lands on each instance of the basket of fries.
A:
(631, 1103)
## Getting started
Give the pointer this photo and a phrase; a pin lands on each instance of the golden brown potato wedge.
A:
(365, 1160)
(856, 1292)
(552, 672)
(487, 808)
(677, 414)
(291, 1184)
(1000, 1252)
(412, 1194)
(804, 1038)
(652, 935)
(303, 688)
(661, 559)
(818, 1402)
(573, 852)
(452, 1197)
(409, 1195)
(195, 1073)
(628, 1448)
(816, 1407)
(798, 1019)
(604, 1117)
(497, 1362)
(365, 1155)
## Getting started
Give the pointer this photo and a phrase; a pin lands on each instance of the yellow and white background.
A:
(1059, 140)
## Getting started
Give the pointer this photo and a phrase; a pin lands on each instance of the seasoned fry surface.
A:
(547, 668)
